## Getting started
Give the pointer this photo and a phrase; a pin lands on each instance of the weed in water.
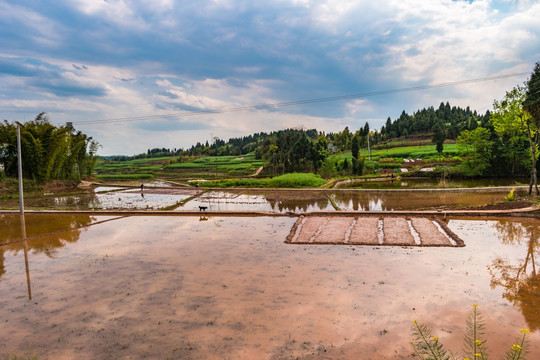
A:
(426, 346)
(511, 196)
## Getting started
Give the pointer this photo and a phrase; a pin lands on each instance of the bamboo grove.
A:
(48, 152)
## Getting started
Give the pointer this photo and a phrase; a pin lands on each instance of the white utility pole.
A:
(19, 161)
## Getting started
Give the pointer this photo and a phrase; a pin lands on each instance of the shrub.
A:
(328, 168)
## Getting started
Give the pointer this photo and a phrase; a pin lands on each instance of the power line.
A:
(298, 102)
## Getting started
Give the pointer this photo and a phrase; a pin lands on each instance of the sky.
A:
(171, 61)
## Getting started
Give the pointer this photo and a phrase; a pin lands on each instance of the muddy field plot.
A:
(370, 230)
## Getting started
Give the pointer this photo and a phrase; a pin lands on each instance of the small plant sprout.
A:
(518, 350)
(475, 345)
(511, 196)
(427, 347)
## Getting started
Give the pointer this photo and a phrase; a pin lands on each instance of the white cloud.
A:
(121, 12)
(43, 30)
(212, 94)
(235, 53)
(358, 105)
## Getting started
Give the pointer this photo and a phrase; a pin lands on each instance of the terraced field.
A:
(370, 230)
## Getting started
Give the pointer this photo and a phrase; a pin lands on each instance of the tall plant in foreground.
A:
(426, 346)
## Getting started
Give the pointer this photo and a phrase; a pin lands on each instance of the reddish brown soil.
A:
(396, 231)
(364, 230)
(428, 230)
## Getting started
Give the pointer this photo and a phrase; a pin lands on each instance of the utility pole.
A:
(19, 161)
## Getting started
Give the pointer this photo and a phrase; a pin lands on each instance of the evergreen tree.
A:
(439, 135)
(531, 104)
(355, 146)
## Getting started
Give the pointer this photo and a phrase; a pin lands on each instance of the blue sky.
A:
(81, 60)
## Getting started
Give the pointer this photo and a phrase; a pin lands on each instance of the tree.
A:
(355, 146)
(48, 152)
(358, 165)
(477, 140)
(508, 123)
(343, 139)
(439, 135)
(509, 117)
(531, 104)
(319, 152)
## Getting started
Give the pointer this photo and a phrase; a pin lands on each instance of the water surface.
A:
(223, 287)
(412, 183)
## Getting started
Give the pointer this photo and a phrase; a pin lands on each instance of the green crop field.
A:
(131, 166)
(221, 164)
(173, 167)
(234, 171)
(125, 176)
(414, 152)
(425, 152)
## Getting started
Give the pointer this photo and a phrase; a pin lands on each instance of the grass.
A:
(296, 180)
(293, 180)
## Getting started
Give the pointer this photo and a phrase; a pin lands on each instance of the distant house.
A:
(332, 148)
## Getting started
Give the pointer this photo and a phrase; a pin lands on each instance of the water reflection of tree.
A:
(362, 201)
(296, 201)
(521, 281)
(36, 226)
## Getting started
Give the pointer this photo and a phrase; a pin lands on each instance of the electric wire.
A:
(187, 114)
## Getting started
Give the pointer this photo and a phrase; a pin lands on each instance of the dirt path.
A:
(256, 173)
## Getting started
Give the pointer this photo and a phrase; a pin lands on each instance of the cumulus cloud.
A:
(86, 60)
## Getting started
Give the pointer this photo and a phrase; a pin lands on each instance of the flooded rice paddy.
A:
(426, 183)
(279, 201)
(186, 287)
